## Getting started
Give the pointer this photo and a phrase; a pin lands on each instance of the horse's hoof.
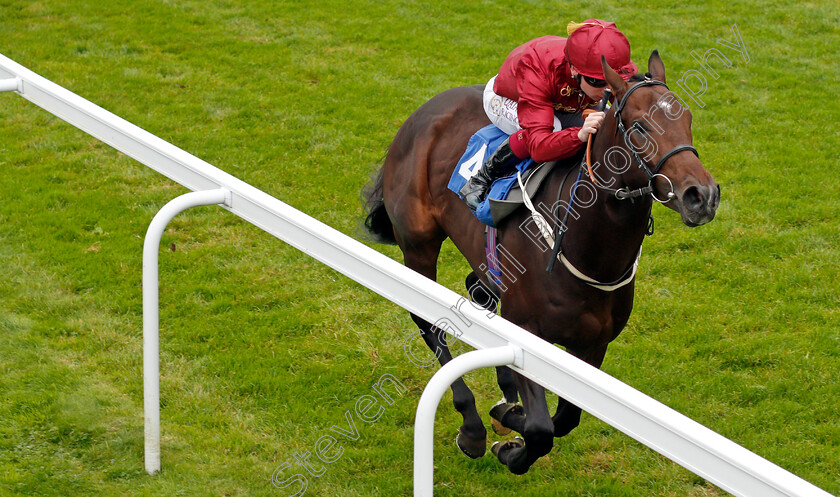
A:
(501, 449)
(471, 447)
(499, 429)
(498, 413)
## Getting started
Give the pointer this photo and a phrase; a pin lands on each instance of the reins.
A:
(619, 193)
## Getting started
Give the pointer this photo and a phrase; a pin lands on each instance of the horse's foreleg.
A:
(537, 429)
(567, 416)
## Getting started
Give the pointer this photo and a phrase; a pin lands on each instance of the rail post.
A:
(424, 422)
(11, 84)
(151, 317)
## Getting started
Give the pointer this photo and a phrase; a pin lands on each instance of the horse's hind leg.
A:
(472, 436)
(482, 295)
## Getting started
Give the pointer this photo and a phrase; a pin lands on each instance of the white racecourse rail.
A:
(497, 341)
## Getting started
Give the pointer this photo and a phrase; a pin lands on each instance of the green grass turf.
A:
(264, 349)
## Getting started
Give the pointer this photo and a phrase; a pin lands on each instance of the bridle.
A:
(651, 174)
(619, 193)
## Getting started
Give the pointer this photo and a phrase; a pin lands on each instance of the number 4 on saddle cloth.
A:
(505, 195)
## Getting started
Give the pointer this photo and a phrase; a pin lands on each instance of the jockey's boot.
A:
(498, 165)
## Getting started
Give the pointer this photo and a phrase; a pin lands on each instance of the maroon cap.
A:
(591, 39)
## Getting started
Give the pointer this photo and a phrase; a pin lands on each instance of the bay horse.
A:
(409, 204)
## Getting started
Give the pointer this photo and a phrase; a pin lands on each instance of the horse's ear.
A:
(616, 82)
(655, 66)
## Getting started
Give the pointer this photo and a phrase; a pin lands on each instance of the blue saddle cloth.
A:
(483, 143)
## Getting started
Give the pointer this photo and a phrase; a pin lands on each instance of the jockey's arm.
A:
(536, 115)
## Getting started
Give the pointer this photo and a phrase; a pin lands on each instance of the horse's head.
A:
(656, 132)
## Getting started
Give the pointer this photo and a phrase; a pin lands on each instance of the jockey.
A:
(539, 94)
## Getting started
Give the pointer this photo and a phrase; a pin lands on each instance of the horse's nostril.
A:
(692, 198)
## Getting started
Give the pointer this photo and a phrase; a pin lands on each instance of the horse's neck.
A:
(607, 234)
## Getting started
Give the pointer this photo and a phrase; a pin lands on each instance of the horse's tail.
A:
(377, 222)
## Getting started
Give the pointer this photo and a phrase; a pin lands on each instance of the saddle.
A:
(505, 194)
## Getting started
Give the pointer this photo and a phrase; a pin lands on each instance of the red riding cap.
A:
(591, 39)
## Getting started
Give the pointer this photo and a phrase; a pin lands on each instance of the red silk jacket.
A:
(537, 76)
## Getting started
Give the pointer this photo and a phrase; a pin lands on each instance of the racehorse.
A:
(642, 153)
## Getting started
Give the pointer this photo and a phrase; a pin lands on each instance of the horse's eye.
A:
(640, 127)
